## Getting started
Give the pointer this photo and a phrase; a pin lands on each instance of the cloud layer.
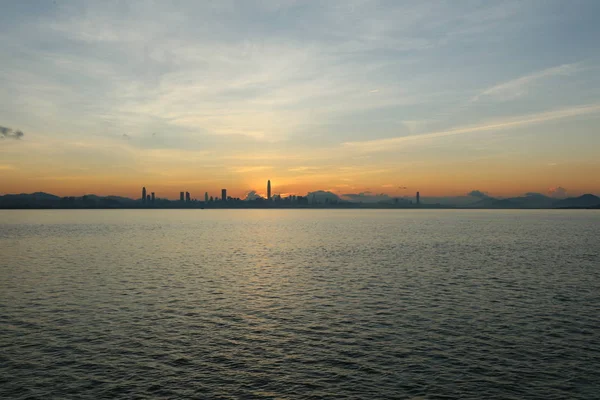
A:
(350, 96)
(519, 86)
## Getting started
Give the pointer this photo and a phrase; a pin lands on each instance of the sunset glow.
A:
(347, 97)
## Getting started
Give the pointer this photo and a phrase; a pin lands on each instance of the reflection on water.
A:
(299, 303)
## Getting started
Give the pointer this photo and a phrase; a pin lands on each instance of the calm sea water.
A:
(299, 304)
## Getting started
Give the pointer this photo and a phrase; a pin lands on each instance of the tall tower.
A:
(206, 197)
(418, 198)
(269, 189)
(223, 194)
(152, 197)
(180, 196)
(144, 194)
(187, 197)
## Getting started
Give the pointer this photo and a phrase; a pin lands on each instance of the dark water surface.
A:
(299, 304)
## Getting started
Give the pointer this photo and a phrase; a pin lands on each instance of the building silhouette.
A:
(152, 197)
(148, 198)
(302, 200)
(180, 196)
(206, 197)
(144, 194)
(223, 194)
(418, 198)
(269, 189)
(187, 197)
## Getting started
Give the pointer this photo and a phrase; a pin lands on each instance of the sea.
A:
(300, 304)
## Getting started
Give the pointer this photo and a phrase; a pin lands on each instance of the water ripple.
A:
(299, 304)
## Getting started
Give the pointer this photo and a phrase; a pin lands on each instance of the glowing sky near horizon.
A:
(444, 97)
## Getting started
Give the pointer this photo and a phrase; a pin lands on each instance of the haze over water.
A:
(299, 304)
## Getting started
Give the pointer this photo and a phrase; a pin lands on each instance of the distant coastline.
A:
(40, 200)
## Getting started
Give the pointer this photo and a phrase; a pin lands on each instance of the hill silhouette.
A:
(533, 200)
(536, 200)
(584, 201)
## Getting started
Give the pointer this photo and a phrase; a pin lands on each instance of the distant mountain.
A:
(533, 200)
(587, 200)
(112, 198)
(30, 196)
(491, 202)
(454, 201)
(29, 200)
(46, 200)
(323, 196)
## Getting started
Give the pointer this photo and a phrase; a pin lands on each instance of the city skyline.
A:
(445, 98)
(367, 196)
(268, 195)
(317, 199)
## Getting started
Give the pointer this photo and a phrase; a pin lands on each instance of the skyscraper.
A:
(144, 194)
(187, 197)
(418, 198)
(180, 196)
(223, 194)
(153, 197)
(269, 189)
(206, 197)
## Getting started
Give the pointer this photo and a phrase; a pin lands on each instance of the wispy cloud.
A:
(302, 169)
(223, 71)
(388, 144)
(257, 168)
(518, 87)
(214, 91)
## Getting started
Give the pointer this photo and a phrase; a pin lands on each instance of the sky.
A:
(352, 96)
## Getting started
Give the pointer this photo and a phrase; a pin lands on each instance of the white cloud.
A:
(303, 169)
(388, 144)
(519, 87)
(256, 168)
(227, 75)
(222, 68)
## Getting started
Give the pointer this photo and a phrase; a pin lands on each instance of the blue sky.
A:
(348, 96)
